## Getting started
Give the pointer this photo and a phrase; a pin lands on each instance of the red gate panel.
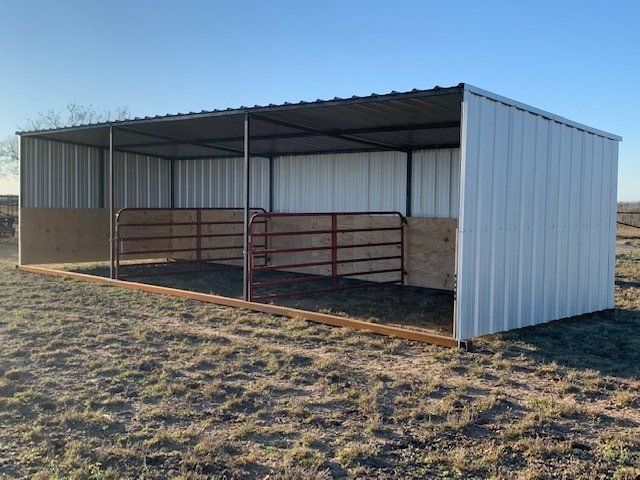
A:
(174, 237)
(380, 248)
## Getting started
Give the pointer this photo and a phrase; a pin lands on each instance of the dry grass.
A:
(98, 382)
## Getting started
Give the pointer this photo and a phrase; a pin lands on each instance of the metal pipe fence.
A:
(334, 240)
(185, 240)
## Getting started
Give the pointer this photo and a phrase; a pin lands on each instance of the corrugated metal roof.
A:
(392, 121)
(243, 109)
(413, 120)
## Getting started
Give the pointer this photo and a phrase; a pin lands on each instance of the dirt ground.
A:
(99, 382)
(404, 306)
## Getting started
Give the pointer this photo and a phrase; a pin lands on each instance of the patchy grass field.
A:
(98, 382)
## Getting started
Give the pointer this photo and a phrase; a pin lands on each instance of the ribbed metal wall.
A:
(435, 183)
(217, 183)
(537, 222)
(340, 182)
(58, 175)
(141, 181)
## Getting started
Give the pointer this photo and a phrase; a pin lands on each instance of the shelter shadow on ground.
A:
(607, 342)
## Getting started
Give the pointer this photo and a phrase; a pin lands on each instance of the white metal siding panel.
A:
(537, 226)
(217, 183)
(59, 175)
(141, 181)
(340, 182)
(435, 183)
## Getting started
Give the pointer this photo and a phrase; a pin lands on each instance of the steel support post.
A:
(270, 184)
(407, 212)
(172, 173)
(101, 180)
(246, 205)
(112, 229)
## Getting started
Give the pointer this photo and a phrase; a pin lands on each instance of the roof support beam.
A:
(89, 145)
(181, 141)
(349, 138)
(315, 152)
(318, 133)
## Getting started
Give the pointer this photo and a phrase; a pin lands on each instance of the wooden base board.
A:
(316, 317)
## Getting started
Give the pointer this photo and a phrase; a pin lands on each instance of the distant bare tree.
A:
(9, 155)
(73, 114)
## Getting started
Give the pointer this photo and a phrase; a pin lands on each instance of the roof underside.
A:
(413, 120)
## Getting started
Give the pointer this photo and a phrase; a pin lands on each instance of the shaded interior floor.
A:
(403, 306)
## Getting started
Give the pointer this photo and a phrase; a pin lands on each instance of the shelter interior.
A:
(347, 206)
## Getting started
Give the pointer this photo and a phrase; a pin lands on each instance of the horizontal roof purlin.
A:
(395, 121)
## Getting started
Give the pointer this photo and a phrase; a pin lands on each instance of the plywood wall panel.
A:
(63, 235)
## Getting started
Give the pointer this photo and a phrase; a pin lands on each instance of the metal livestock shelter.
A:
(510, 208)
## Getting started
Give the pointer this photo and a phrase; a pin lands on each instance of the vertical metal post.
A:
(250, 267)
(271, 184)
(101, 180)
(172, 197)
(117, 266)
(402, 272)
(409, 182)
(247, 195)
(21, 194)
(112, 269)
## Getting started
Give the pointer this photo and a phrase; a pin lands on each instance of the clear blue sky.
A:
(578, 59)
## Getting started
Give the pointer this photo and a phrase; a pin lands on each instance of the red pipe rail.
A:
(262, 251)
(128, 246)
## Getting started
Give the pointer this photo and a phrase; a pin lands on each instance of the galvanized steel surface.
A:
(217, 183)
(537, 222)
(435, 190)
(369, 181)
(58, 175)
(340, 182)
(141, 181)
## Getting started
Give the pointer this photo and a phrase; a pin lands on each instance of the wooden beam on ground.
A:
(334, 320)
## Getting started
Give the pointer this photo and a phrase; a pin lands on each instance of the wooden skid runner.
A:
(316, 317)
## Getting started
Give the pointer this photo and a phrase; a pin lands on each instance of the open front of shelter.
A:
(450, 212)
